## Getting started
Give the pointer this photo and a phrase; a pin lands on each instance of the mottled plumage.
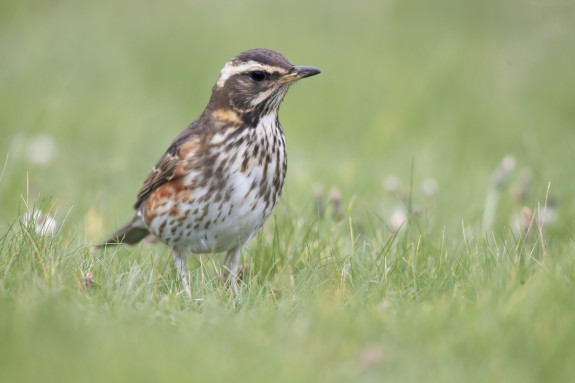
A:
(221, 177)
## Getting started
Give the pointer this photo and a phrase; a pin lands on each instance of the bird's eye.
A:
(257, 75)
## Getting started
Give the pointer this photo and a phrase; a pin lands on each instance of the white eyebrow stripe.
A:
(230, 70)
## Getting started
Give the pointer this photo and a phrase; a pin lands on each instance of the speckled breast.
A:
(223, 196)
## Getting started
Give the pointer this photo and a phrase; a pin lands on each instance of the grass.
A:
(361, 274)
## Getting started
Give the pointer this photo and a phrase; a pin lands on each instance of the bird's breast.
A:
(226, 192)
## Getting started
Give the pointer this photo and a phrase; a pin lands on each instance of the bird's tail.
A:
(131, 233)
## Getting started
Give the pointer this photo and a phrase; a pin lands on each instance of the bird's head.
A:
(256, 81)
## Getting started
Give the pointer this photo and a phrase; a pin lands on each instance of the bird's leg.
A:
(231, 266)
(180, 265)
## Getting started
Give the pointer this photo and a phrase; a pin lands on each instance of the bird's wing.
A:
(164, 170)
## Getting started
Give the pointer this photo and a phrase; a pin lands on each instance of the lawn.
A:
(426, 228)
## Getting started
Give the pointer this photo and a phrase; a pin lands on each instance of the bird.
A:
(221, 177)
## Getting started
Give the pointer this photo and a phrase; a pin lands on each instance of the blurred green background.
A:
(413, 89)
(92, 93)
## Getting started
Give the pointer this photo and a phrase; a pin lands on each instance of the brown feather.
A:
(164, 169)
(131, 233)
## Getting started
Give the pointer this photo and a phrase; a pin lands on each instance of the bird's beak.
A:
(300, 72)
